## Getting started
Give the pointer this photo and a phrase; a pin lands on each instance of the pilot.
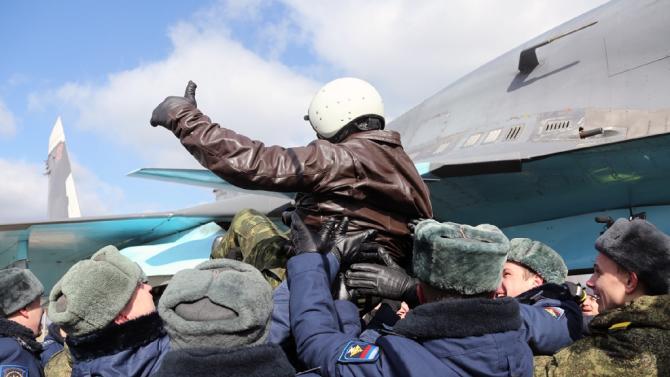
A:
(217, 315)
(105, 307)
(535, 274)
(355, 168)
(630, 336)
(459, 328)
(20, 320)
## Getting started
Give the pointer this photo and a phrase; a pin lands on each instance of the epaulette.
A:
(619, 326)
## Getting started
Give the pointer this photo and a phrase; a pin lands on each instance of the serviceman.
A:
(355, 168)
(20, 319)
(218, 318)
(631, 334)
(535, 274)
(105, 307)
(460, 329)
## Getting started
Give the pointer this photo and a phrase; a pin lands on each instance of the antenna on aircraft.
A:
(528, 58)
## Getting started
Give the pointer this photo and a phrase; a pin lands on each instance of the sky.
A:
(103, 66)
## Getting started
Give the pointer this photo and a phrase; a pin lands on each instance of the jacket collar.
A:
(460, 318)
(385, 136)
(256, 361)
(114, 338)
(22, 334)
(645, 311)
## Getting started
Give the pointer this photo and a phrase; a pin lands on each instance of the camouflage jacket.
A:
(633, 340)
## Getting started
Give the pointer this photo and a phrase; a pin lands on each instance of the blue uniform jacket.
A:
(498, 349)
(135, 348)
(14, 357)
(550, 324)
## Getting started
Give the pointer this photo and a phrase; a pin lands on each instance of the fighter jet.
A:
(571, 126)
(568, 128)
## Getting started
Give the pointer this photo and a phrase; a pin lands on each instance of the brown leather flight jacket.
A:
(367, 177)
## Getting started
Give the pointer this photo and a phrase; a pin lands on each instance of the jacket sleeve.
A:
(12, 355)
(550, 325)
(252, 165)
(314, 318)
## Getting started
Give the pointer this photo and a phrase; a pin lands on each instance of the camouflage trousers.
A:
(60, 364)
(259, 241)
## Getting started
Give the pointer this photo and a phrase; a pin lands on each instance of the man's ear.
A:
(632, 282)
(23, 312)
(537, 280)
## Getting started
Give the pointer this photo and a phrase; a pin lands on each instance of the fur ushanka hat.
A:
(18, 288)
(221, 303)
(638, 246)
(460, 258)
(540, 258)
(93, 292)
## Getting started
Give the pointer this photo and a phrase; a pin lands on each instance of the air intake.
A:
(557, 125)
(513, 133)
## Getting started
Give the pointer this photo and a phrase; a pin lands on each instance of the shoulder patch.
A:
(13, 371)
(555, 311)
(359, 352)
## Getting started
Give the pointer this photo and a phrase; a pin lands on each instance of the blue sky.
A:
(103, 66)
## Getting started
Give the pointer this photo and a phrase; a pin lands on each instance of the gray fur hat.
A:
(461, 258)
(540, 258)
(20, 287)
(638, 246)
(93, 292)
(222, 303)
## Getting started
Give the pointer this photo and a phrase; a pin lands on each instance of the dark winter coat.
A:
(445, 338)
(135, 348)
(19, 351)
(265, 360)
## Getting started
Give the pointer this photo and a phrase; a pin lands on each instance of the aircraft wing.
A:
(197, 177)
(50, 247)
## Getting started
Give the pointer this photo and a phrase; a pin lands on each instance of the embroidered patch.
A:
(13, 371)
(555, 312)
(359, 352)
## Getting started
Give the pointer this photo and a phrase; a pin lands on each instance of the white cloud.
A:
(7, 121)
(261, 99)
(24, 191)
(412, 49)
(96, 197)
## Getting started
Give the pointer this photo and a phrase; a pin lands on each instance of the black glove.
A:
(303, 239)
(165, 112)
(286, 215)
(347, 247)
(332, 237)
(389, 281)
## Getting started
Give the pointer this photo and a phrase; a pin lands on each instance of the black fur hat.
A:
(639, 247)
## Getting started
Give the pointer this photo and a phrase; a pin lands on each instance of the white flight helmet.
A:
(339, 102)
